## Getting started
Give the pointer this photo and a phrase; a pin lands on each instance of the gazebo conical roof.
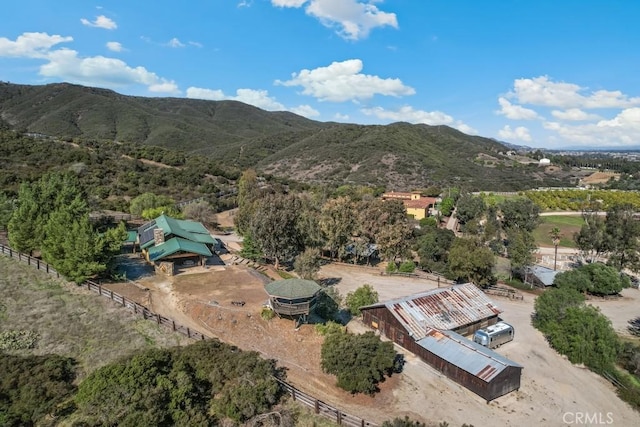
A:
(292, 288)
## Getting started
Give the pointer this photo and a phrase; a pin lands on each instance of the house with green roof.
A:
(169, 243)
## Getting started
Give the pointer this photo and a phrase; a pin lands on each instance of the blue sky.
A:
(548, 74)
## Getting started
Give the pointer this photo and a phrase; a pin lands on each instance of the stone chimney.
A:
(158, 236)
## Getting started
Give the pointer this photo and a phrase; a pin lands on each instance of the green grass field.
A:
(568, 225)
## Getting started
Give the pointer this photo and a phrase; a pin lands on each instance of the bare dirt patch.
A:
(551, 386)
(225, 218)
(600, 177)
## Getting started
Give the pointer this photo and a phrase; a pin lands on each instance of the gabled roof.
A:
(441, 308)
(545, 275)
(189, 230)
(421, 203)
(292, 288)
(467, 355)
(177, 244)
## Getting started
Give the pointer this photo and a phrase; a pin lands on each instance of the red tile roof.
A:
(421, 203)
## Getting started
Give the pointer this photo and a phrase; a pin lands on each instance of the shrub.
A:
(329, 328)
(267, 313)
(407, 267)
(364, 295)
(391, 267)
(359, 362)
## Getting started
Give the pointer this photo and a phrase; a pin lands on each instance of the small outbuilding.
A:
(292, 297)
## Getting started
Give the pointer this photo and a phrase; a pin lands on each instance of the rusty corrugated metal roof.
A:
(469, 356)
(443, 308)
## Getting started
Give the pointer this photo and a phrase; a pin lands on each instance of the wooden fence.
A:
(319, 407)
(35, 262)
(323, 409)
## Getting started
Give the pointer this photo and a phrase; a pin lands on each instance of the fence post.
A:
(189, 332)
(47, 268)
(111, 294)
(28, 260)
(135, 307)
(293, 394)
(38, 264)
(316, 407)
(339, 417)
(99, 289)
(158, 318)
(173, 325)
(362, 422)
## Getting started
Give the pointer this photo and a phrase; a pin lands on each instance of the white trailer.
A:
(495, 335)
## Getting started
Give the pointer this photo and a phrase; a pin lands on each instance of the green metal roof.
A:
(292, 288)
(132, 235)
(177, 244)
(189, 230)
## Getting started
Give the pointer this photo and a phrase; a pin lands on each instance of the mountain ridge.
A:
(397, 155)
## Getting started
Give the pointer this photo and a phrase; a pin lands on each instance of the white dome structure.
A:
(545, 162)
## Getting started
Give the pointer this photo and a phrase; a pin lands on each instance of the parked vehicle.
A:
(495, 335)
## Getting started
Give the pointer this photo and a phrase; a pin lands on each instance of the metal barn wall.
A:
(472, 327)
(380, 318)
(505, 382)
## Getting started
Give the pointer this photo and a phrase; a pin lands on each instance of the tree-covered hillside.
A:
(398, 156)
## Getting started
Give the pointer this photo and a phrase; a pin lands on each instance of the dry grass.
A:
(71, 321)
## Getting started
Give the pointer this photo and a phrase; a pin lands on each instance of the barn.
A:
(460, 308)
(431, 324)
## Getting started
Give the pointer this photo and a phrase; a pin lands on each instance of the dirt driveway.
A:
(551, 386)
(552, 391)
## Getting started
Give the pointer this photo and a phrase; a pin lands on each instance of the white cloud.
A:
(542, 91)
(30, 45)
(174, 42)
(354, 19)
(623, 129)
(520, 133)
(101, 71)
(288, 3)
(100, 22)
(305, 110)
(342, 81)
(115, 46)
(515, 112)
(196, 44)
(574, 114)
(341, 117)
(409, 114)
(209, 94)
(257, 98)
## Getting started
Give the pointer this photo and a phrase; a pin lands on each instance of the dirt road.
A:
(553, 390)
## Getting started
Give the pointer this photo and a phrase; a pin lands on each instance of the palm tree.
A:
(555, 237)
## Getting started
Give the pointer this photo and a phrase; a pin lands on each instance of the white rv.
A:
(495, 335)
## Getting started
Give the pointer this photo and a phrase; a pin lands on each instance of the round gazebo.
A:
(292, 297)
